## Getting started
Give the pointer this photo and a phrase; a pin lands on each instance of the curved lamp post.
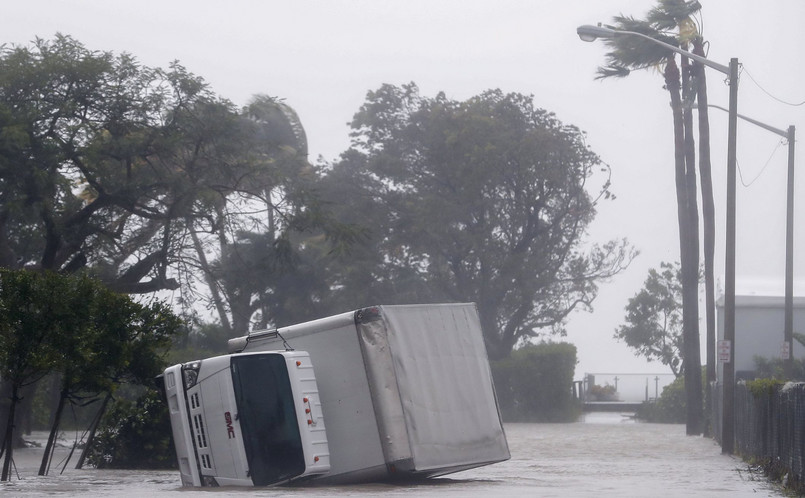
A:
(590, 33)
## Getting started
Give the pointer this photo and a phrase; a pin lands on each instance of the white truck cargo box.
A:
(405, 390)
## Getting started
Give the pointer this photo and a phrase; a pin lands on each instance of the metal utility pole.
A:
(728, 382)
(788, 328)
(788, 332)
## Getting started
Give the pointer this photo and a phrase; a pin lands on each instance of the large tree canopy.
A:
(485, 200)
(105, 163)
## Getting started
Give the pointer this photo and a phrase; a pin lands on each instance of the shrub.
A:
(606, 392)
(670, 408)
(135, 435)
(535, 384)
(774, 368)
(760, 387)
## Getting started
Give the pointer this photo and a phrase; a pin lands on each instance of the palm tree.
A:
(278, 143)
(631, 53)
(708, 217)
(679, 15)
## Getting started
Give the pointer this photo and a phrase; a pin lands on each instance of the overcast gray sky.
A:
(322, 56)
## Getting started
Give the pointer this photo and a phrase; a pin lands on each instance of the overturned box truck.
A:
(386, 392)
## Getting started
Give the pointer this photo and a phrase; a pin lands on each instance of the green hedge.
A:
(535, 384)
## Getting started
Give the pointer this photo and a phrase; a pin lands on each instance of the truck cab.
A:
(248, 419)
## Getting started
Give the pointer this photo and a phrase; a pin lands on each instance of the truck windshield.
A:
(267, 418)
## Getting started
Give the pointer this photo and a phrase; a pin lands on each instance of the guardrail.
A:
(621, 387)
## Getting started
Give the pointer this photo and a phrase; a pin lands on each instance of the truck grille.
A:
(201, 436)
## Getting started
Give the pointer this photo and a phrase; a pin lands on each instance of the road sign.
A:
(725, 351)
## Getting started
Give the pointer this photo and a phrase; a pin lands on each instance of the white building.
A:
(759, 328)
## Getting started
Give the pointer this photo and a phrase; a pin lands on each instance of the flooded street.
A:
(606, 455)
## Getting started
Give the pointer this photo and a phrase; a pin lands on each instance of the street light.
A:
(590, 33)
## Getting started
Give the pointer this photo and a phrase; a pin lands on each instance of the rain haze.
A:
(322, 56)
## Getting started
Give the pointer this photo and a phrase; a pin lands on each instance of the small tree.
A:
(654, 318)
(33, 310)
(73, 325)
(117, 341)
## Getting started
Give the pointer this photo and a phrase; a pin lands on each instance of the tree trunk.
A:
(8, 440)
(493, 341)
(23, 406)
(693, 375)
(5, 407)
(708, 218)
(672, 82)
(44, 466)
(25, 412)
(93, 428)
(220, 306)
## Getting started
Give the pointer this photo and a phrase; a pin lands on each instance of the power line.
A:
(768, 161)
(792, 104)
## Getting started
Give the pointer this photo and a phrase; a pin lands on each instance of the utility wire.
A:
(793, 104)
(768, 161)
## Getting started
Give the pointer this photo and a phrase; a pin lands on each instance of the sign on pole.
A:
(725, 351)
(785, 350)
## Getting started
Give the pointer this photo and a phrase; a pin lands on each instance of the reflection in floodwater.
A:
(607, 454)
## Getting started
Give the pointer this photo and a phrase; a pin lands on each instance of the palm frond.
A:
(612, 71)
(670, 15)
(670, 21)
(634, 52)
(679, 9)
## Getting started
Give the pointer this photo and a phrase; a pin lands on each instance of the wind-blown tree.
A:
(116, 341)
(680, 15)
(32, 312)
(485, 200)
(257, 264)
(653, 318)
(369, 272)
(671, 22)
(107, 164)
(136, 339)
(699, 85)
(146, 177)
(74, 326)
(267, 281)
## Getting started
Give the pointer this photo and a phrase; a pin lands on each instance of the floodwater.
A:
(604, 455)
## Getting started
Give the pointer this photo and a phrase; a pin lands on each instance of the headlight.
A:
(190, 373)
